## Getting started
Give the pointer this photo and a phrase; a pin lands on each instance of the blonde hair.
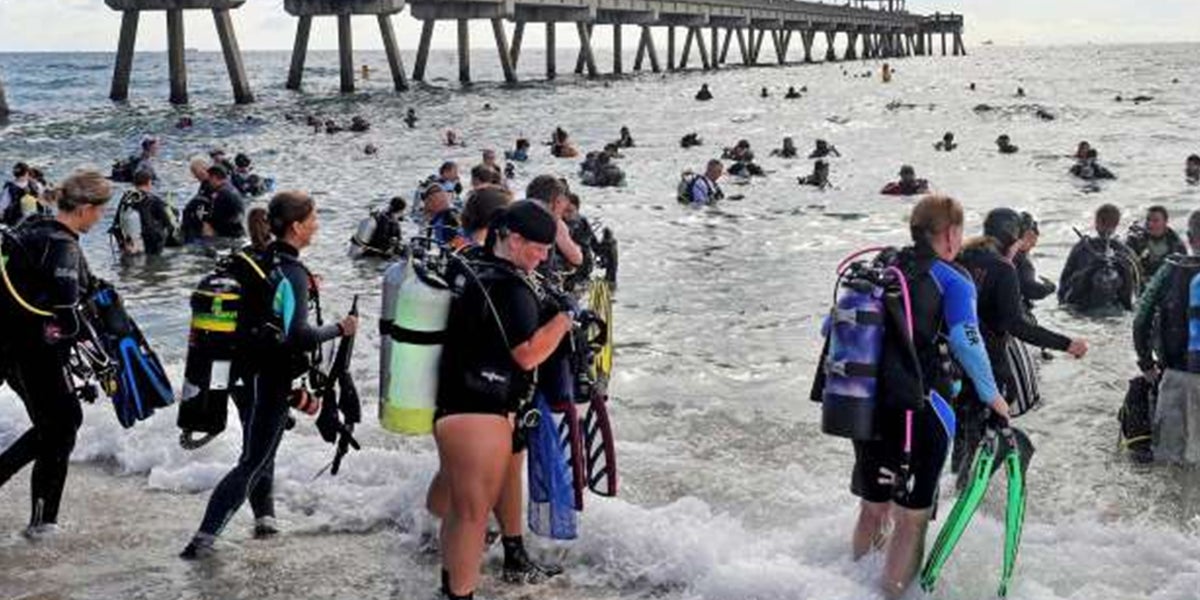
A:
(83, 187)
(933, 215)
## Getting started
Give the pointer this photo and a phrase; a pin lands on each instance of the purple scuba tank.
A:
(855, 330)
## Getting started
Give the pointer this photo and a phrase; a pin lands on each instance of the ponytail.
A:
(259, 227)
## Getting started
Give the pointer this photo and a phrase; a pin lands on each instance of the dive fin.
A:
(1020, 453)
(601, 448)
(960, 516)
(551, 506)
(570, 435)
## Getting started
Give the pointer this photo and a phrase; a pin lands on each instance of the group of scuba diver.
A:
(927, 348)
(496, 339)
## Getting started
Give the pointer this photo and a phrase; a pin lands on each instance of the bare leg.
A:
(869, 531)
(474, 450)
(437, 499)
(508, 509)
(905, 550)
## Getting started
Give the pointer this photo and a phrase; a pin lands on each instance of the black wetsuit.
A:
(1001, 317)
(228, 212)
(477, 374)
(1033, 288)
(1099, 273)
(266, 392)
(157, 224)
(51, 273)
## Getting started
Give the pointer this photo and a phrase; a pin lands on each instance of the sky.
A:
(88, 25)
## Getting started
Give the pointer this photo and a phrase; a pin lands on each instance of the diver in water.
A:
(908, 185)
(1100, 271)
(598, 170)
(896, 475)
(690, 140)
(791, 94)
(1004, 145)
(989, 260)
(787, 151)
(698, 190)
(1033, 287)
(410, 118)
(626, 140)
(1191, 169)
(380, 234)
(143, 223)
(946, 144)
(1164, 338)
(819, 177)
(520, 153)
(704, 95)
(1090, 169)
(359, 124)
(1153, 241)
(822, 149)
(52, 276)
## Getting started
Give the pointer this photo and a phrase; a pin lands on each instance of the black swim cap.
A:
(1003, 224)
(533, 222)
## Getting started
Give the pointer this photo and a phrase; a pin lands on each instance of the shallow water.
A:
(729, 489)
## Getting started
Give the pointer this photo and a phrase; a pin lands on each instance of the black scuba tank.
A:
(212, 347)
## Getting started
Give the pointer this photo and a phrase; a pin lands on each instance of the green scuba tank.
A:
(416, 308)
(212, 345)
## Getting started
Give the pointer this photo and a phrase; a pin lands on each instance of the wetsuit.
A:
(1001, 318)
(228, 212)
(1162, 338)
(477, 374)
(50, 272)
(1152, 251)
(267, 390)
(444, 226)
(705, 191)
(1098, 273)
(1033, 288)
(943, 304)
(157, 224)
(906, 188)
(385, 241)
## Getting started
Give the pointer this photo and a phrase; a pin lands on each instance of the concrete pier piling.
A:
(344, 10)
(3, 102)
(176, 43)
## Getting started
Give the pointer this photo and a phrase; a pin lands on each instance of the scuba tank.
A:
(363, 235)
(1193, 347)
(131, 229)
(212, 344)
(854, 333)
(416, 308)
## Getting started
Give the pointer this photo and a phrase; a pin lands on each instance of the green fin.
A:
(960, 516)
(1020, 452)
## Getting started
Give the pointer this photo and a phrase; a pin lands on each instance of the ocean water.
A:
(729, 489)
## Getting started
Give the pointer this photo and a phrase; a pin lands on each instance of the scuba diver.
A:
(552, 194)
(473, 426)
(1033, 287)
(690, 140)
(447, 177)
(989, 260)
(1100, 271)
(21, 196)
(787, 151)
(292, 344)
(453, 139)
(439, 219)
(791, 94)
(819, 177)
(380, 234)
(908, 185)
(823, 149)
(1165, 337)
(520, 153)
(946, 144)
(228, 208)
(597, 170)
(1090, 169)
(1153, 241)
(1004, 145)
(359, 124)
(908, 421)
(704, 95)
(626, 140)
(481, 207)
(1082, 150)
(1191, 169)
(764, 93)
(488, 159)
(144, 224)
(743, 160)
(123, 170)
(410, 118)
(246, 180)
(484, 176)
(46, 277)
(699, 190)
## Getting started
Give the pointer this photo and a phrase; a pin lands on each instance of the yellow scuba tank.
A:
(416, 308)
(211, 347)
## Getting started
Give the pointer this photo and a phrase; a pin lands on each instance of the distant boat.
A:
(191, 50)
(987, 43)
